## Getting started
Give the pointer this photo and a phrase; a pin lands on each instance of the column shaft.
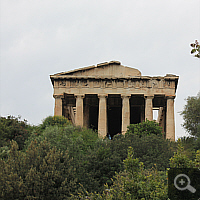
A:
(79, 110)
(58, 104)
(102, 120)
(148, 108)
(125, 113)
(170, 124)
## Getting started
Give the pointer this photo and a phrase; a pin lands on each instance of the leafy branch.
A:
(195, 49)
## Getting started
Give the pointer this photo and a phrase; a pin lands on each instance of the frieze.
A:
(125, 84)
(84, 83)
(62, 83)
(109, 84)
(137, 84)
(116, 83)
(120, 83)
(155, 84)
(143, 84)
(103, 83)
(73, 83)
(167, 84)
(96, 83)
(161, 83)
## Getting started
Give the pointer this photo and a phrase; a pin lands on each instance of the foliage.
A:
(96, 160)
(12, 128)
(145, 128)
(4, 151)
(195, 49)
(180, 159)
(97, 167)
(152, 149)
(90, 158)
(197, 159)
(190, 145)
(74, 139)
(55, 121)
(134, 183)
(191, 115)
(40, 173)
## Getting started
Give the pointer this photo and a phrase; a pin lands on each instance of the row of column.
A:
(102, 118)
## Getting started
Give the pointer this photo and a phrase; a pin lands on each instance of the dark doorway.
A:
(93, 119)
(135, 115)
(114, 120)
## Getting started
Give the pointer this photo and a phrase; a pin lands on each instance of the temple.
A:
(109, 96)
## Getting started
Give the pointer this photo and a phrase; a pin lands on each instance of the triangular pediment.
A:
(107, 69)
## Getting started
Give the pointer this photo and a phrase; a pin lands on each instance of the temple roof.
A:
(106, 69)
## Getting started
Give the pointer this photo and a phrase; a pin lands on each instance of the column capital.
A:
(102, 95)
(170, 97)
(149, 96)
(58, 96)
(79, 95)
(123, 96)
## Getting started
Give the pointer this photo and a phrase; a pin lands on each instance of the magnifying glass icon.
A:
(182, 183)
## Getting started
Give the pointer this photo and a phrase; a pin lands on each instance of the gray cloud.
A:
(39, 38)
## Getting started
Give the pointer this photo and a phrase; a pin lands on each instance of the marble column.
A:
(170, 124)
(102, 120)
(125, 113)
(79, 109)
(58, 104)
(149, 108)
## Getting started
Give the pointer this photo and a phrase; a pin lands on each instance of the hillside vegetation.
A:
(56, 160)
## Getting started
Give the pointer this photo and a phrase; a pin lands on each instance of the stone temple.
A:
(109, 96)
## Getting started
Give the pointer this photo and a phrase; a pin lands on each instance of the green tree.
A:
(195, 49)
(144, 128)
(55, 121)
(180, 159)
(40, 173)
(12, 128)
(134, 183)
(191, 115)
(96, 160)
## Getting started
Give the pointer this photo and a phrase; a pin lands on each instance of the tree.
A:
(40, 173)
(144, 128)
(195, 49)
(191, 115)
(12, 128)
(180, 159)
(134, 183)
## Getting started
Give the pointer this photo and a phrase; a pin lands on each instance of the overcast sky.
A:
(43, 37)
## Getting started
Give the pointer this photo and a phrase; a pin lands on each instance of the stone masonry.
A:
(109, 96)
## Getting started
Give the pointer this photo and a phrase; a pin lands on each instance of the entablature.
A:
(136, 82)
